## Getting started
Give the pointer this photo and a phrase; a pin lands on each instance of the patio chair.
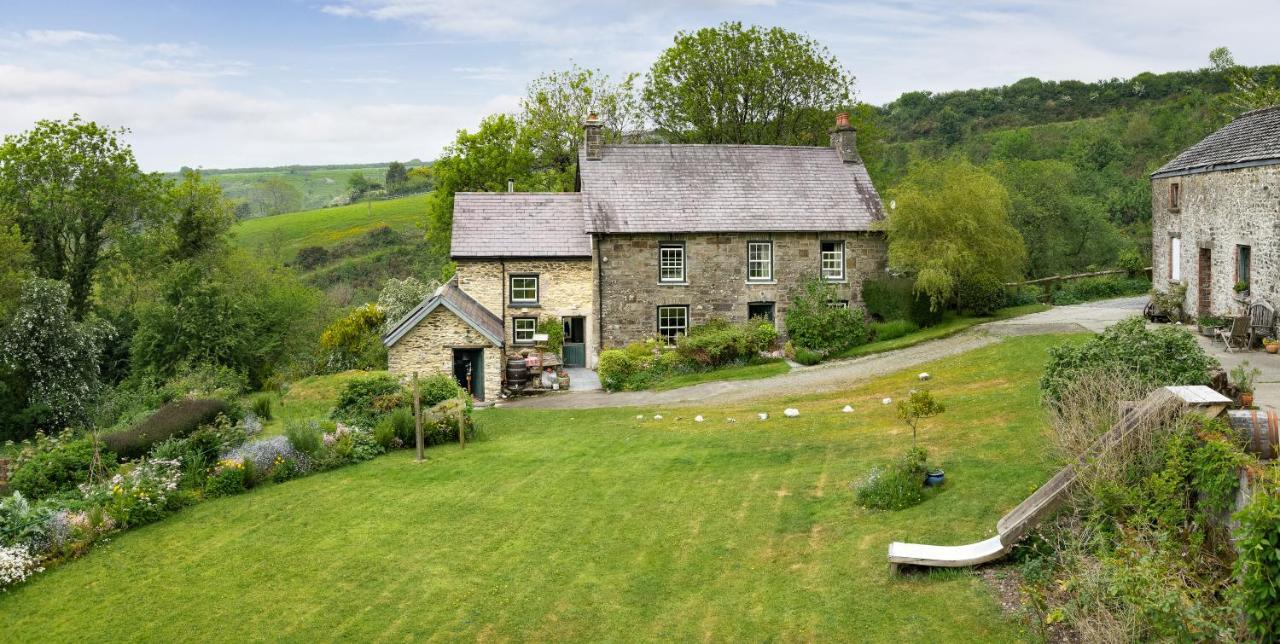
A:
(1262, 321)
(1237, 335)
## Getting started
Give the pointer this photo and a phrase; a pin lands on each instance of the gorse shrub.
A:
(56, 470)
(896, 486)
(814, 321)
(1155, 358)
(363, 401)
(177, 418)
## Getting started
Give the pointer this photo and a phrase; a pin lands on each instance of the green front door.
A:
(575, 345)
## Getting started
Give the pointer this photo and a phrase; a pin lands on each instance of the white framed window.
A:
(522, 330)
(838, 304)
(1175, 259)
(832, 260)
(671, 263)
(759, 261)
(524, 289)
(673, 322)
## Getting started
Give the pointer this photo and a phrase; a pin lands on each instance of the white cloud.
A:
(58, 37)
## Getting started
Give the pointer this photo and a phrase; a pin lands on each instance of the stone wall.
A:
(565, 289)
(1219, 211)
(428, 349)
(716, 276)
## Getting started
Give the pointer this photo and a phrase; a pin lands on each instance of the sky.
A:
(246, 83)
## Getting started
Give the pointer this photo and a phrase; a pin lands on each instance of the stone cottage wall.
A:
(1219, 211)
(716, 275)
(428, 349)
(565, 289)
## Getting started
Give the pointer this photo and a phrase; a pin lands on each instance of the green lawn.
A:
(284, 234)
(744, 372)
(306, 399)
(949, 326)
(590, 525)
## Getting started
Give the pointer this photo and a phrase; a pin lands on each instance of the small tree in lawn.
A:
(920, 404)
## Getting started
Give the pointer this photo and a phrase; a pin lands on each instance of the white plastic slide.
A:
(1014, 525)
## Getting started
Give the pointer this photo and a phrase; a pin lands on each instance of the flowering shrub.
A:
(267, 454)
(228, 478)
(139, 494)
(16, 564)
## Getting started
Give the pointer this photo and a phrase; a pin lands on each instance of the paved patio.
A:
(1266, 393)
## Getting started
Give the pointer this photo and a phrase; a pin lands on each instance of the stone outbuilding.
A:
(1216, 218)
(656, 239)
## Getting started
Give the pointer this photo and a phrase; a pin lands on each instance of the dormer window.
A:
(1175, 195)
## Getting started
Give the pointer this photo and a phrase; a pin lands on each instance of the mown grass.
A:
(744, 372)
(949, 326)
(282, 235)
(590, 525)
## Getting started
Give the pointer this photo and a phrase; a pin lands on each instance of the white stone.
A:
(886, 401)
(847, 409)
(791, 412)
(698, 418)
(639, 416)
(924, 376)
(657, 416)
(763, 416)
(731, 420)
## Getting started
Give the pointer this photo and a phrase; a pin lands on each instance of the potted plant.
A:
(1208, 324)
(1242, 377)
(918, 405)
(1242, 289)
(1271, 345)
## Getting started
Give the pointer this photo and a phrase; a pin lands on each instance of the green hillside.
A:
(357, 246)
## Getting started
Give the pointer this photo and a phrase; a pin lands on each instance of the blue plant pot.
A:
(934, 478)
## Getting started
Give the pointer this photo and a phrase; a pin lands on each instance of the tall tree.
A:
(396, 175)
(557, 103)
(1247, 91)
(15, 261)
(74, 185)
(731, 84)
(950, 224)
(275, 195)
(201, 216)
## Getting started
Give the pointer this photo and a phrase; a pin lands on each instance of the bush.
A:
(384, 433)
(896, 486)
(892, 329)
(56, 470)
(401, 422)
(807, 357)
(177, 418)
(813, 323)
(1087, 289)
(981, 294)
(306, 436)
(762, 335)
(353, 342)
(437, 388)
(894, 298)
(269, 453)
(228, 479)
(312, 257)
(1132, 262)
(1258, 567)
(261, 406)
(714, 344)
(554, 329)
(363, 401)
(1156, 358)
(615, 367)
(1024, 295)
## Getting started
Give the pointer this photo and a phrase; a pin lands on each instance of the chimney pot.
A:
(842, 119)
(511, 185)
(844, 138)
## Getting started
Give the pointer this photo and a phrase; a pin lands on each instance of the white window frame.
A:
(668, 331)
(521, 335)
(513, 288)
(831, 263)
(1175, 259)
(764, 261)
(671, 263)
(838, 304)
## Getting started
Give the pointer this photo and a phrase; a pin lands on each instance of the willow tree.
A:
(948, 224)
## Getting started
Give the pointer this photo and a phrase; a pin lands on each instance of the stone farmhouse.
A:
(655, 239)
(1216, 217)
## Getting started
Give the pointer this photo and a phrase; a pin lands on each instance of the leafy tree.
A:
(359, 184)
(15, 262)
(396, 175)
(481, 162)
(398, 297)
(951, 224)
(75, 187)
(53, 357)
(730, 84)
(275, 195)
(917, 406)
(1247, 91)
(352, 341)
(557, 103)
(201, 216)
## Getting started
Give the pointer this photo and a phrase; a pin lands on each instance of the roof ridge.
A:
(717, 145)
(525, 193)
(1258, 110)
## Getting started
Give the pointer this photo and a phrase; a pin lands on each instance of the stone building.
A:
(1216, 218)
(656, 239)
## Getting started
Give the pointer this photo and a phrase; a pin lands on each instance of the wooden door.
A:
(1204, 281)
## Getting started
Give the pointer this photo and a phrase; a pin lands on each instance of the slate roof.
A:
(725, 188)
(454, 299)
(1253, 138)
(518, 224)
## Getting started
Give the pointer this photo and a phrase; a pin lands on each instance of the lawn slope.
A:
(590, 525)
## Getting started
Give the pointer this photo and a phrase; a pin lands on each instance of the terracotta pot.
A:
(1246, 400)
(1273, 347)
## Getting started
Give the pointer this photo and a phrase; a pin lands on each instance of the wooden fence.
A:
(1050, 284)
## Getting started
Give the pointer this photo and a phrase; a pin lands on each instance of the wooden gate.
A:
(1204, 281)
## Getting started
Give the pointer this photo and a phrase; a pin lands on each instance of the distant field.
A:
(319, 185)
(283, 235)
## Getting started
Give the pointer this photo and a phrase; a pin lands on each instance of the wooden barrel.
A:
(1263, 430)
(517, 373)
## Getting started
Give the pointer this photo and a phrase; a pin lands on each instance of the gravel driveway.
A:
(843, 374)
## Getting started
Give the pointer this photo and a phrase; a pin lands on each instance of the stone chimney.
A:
(594, 137)
(845, 139)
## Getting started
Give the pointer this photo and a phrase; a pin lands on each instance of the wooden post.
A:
(462, 422)
(417, 415)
